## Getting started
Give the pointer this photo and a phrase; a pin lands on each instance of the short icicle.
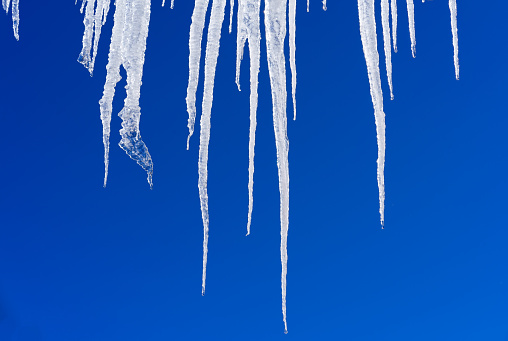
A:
(275, 28)
(393, 5)
(453, 14)
(385, 20)
(369, 41)
(411, 18)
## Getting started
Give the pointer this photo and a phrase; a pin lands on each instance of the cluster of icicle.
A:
(15, 14)
(366, 14)
(127, 49)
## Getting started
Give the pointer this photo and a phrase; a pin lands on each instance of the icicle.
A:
(411, 17)
(394, 24)
(127, 49)
(231, 8)
(196, 34)
(96, 13)
(15, 14)
(249, 28)
(324, 5)
(275, 28)
(212, 53)
(453, 14)
(163, 3)
(308, 4)
(172, 4)
(385, 20)
(292, 51)
(369, 42)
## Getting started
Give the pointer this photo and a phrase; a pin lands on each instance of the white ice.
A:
(15, 14)
(453, 14)
(385, 20)
(249, 29)
(411, 18)
(369, 41)
(292, 51)
(96, 12)
(196, 34)
(127, 49)
(393, 4)
(275, 28)
(212, 53)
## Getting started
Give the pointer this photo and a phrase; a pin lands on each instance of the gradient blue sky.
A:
(79, 262)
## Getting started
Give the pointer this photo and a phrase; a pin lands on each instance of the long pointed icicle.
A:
(453, 14)
(249, 28)
(292, 51)
(369, 41)
(15, 14)
(128, 45)
(393, 5)
(411, 18)
(212, 53)
(275, 28)
(385, 20)
(196, 34)
(96, 13)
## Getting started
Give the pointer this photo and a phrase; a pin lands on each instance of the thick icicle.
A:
(275, 28)
(196, 34)
(369, 41)
(324, 5)
(292, 51)
(15, 14)
(96, 13)
(127, 49)
(385, 20)
(411, 18)
(393, 4)
(249, 28)
(453, 14)
(212, 53)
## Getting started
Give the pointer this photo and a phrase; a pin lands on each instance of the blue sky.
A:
(80, 262)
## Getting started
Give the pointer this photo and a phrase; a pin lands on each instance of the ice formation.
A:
(411, 18)
(127, 49)
(15, 14)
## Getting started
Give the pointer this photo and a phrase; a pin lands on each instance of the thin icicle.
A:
(275, 28)
(163, 3)
(453, 14)
(394, 24)
(172, 4)
(212, 53)
(411, 18)
(249, 28)
(127, 49)
(324, 5)
(15, 14)
(231, 9)
(385, 20)
(308, 5)
(196, 34)
(96, 13)
(369, 41)
(292, 51)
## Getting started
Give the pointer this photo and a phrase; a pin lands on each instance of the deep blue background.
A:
(79, 262)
